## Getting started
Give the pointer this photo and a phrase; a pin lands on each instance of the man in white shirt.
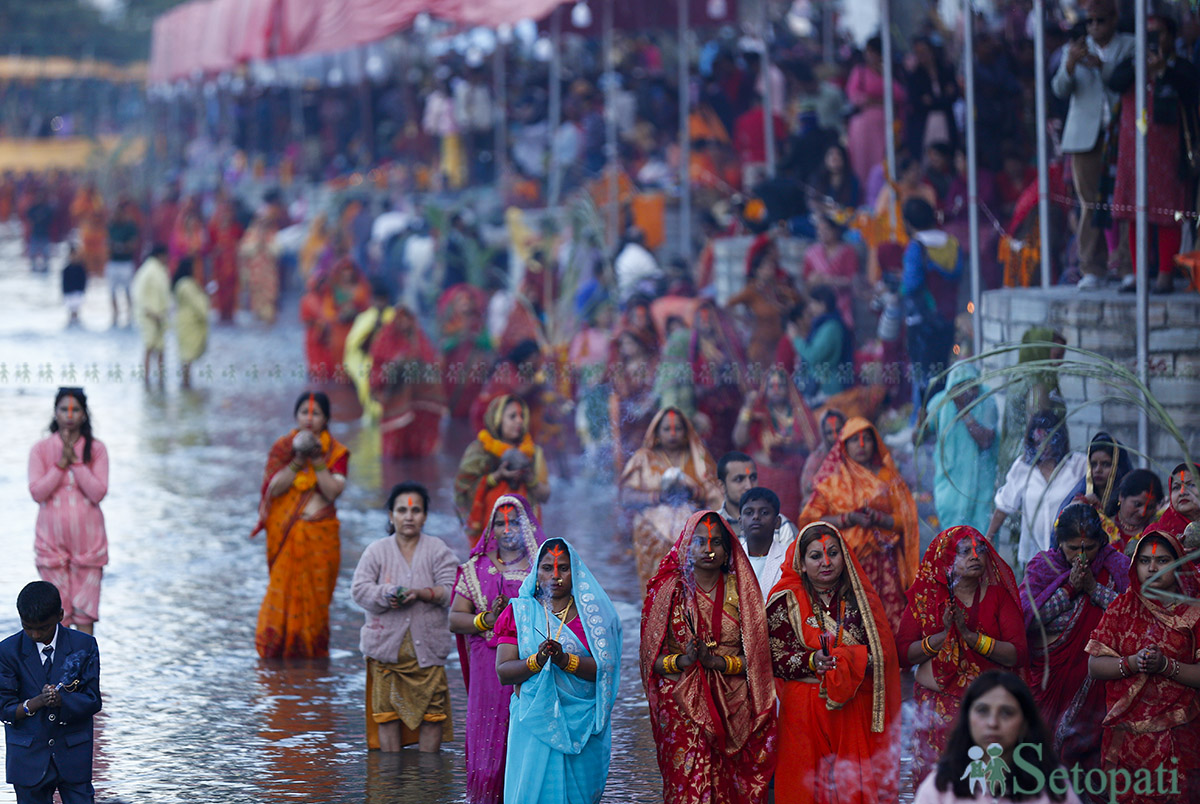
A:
(765, 536)
(737, 474)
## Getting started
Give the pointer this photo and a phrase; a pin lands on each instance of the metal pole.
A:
(611, 151)
(500, 123)
(768, 101)
(1043, 156)
(972, 174)
(685, 139)
(555, 110)
(1141, 265)
(889, 101)
(827, 23)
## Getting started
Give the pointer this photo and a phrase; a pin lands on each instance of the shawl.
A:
(533, 711)
(1049, 570)
(674, 577)
(403, 358)
(336, 458)
(703, 468)
(1145, 703)
(805, 431)
(930, 594)
(483, 455)
(531, 531)
(836, 686)
(849, 485)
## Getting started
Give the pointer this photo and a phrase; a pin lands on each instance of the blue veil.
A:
(560, 732)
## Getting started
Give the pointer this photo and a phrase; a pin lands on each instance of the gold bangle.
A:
(296, 467)
(480, 622)
(319, 467)
(927, 646)
(812, 658)
(669, 666)
(532, 664)
(733, 665)
(572, 663)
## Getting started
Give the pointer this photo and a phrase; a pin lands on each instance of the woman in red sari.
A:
(718, 363)
(779, 431)
(838, 678)
(305, 474)
(328, 311)
(406, 380)
(1145, 648)
(1185, 502)
(189, 238)
(466, 346)
(224, 235)
(860, 492)
(963, 617)
(1065, 592)
(706, 667)
(768, 295)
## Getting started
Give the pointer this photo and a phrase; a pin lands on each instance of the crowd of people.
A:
(768, 650)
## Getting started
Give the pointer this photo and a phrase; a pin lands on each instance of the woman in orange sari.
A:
(963, 617)
(224, 234)
(779, 431)
(87, 213)
(485, 473)
(860, 492)
(768, 296)
(838, 677)
(706, 667)
(305, 474)
(1145, 648)
(663, 484)
(328, 311)
(406, 379)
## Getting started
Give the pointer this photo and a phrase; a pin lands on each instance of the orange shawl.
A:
(838, 686)
(843, 485)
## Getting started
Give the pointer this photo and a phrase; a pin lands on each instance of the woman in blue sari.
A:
(560, 648)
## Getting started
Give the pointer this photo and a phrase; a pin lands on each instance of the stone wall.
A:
(1104, 322)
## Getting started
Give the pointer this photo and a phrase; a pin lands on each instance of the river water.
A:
(190, 711)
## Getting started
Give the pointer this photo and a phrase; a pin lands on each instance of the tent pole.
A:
(1141, 266)
(611, 150)
(500, 123)
(972, 173)
(685, 140)
(555, 110)
(889, 100)
(1043, 156)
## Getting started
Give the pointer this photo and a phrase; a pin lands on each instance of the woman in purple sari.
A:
(499, 562)
(1064, 594)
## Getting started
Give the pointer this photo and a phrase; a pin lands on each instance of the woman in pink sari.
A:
(832, 262)
(499, 563)
(865, 89)
(68, 477)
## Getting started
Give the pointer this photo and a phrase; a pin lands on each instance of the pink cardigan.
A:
(70, 526)
(380, 570)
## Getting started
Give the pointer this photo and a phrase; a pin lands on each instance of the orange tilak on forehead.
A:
(505, 511)
(1153, 548)
(825, 544)
(410, 499)
(312, 401)
(862, 440)
(708, 545)
(556, 553)
(671, 418)
(71, 408)
(974, 546)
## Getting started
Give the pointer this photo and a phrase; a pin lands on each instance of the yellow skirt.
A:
(405, 691)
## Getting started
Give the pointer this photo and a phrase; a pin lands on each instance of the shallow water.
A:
(190, 712)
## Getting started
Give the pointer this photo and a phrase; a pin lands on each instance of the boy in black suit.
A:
(48, 731)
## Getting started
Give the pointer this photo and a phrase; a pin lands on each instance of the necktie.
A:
(47, 651)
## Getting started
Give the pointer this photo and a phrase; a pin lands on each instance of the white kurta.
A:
(1026, 490)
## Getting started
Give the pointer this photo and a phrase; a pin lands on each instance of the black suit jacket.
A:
(64, 733)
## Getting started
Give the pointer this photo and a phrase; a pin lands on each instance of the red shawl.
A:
(957, 664)
(734, 715)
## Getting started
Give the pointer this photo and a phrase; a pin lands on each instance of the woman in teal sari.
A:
(560, 648)
(964, 480)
